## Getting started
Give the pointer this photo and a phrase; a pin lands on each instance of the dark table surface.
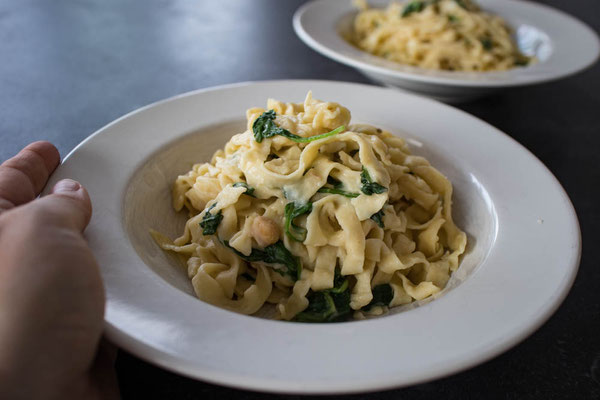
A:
(69, 67)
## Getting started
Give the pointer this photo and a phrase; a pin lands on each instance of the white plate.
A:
(562, 44)
(524, 247)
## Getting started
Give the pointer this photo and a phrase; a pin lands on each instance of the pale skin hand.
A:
(51, 293)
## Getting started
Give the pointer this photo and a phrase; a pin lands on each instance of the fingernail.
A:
(66, 185)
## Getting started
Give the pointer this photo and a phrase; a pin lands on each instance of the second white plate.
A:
(562, 45)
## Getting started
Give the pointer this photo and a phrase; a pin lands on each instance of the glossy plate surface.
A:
(523, 253)
(562, 45)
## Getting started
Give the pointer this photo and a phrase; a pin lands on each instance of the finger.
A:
(24, 176)
(68, 206)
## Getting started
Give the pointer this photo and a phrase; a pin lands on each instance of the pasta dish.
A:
(325, 220)
(453, 35)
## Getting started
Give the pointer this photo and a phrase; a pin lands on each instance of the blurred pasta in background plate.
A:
(452, 35)
(325, 220)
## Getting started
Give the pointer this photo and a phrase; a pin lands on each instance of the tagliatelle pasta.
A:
(323, 219)
(450, 35)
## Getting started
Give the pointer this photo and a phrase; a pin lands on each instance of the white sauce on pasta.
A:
(437, 34)
(392, 230)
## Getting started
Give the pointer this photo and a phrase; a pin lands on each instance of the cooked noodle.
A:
(450, 35)
(324, 227)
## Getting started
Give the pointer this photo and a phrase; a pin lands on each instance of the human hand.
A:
(51, 292)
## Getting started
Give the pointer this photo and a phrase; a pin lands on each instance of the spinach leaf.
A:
(382, 296)
(337, 188)
(413, 7)
(338, 191)
(273, 254)
(249, 190)
(453, 18)
(462, 4)
(210, 222)
(486, 43)
(340, 283)
(417, 6)
(320, 308)
(264, 127)
(334, 182)
(378, 218)
(294, 231)
(369, 187)
(331, 305)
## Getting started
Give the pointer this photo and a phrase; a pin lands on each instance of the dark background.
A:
(67, 68)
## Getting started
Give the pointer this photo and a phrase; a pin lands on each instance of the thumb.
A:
(68, 205)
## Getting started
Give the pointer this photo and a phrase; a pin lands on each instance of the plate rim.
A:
(164, 359)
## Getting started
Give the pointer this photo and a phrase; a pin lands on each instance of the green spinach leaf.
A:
(417, 6)
(321, 308)
(413, 7)
(382, 296)
(369, 187)
(210, 222)
(274, 254)
(292, 230)
(378, 218)
(334, 182)
(337, 188)
(264, 127)
(249, 190)
(331, 305)
(462, 4)
(338, 191)
(486, 43)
